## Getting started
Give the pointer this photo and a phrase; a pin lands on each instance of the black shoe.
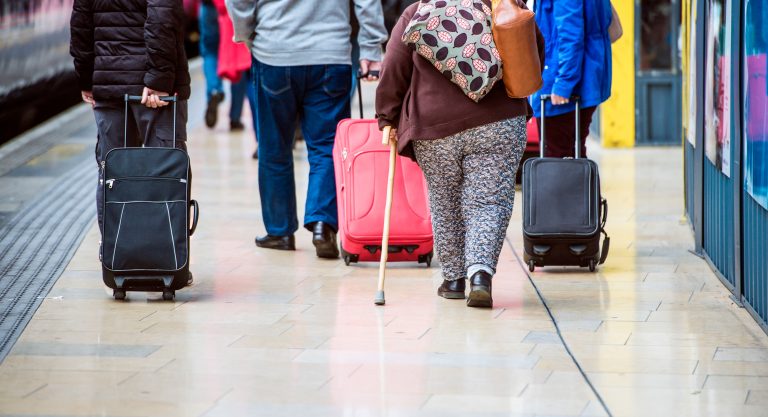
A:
(236, 126)
(212, 111)
(276, 242)
(255, 154)
(480, 290)
(324, 239)
(190, 280)
(453, 290)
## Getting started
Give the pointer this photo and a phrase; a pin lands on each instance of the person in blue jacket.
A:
(577, 63)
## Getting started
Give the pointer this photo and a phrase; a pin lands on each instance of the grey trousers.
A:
(471, 181)
(144, 127)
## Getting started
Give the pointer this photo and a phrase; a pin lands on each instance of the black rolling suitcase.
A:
(563, 213)
(147, 222)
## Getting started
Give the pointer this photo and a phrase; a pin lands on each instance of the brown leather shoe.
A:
(324, 239)
(480, 290)
(276, 242)
(453, 290)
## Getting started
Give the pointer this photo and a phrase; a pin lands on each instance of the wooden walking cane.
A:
(385, 140)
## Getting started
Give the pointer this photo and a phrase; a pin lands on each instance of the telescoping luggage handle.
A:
(171, 99)
(575, 99)
(129, 98)
(360, 75)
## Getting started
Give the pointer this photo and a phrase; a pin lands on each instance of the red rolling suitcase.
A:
(361, 164)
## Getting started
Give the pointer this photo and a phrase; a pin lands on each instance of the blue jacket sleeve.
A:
(569, 24)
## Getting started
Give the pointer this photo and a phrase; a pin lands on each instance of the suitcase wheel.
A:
(169, 295)
(592, 265)
(119, 294)
(531, 265)
(348, 257)
(426, 259)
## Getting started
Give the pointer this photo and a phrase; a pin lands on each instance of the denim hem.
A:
(282, 233)
(309, 221)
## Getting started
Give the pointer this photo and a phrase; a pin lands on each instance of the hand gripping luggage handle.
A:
(544, 98)
(193, 204)
(129, 98)
(360, 76)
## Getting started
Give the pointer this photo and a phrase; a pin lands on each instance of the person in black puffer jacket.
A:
(122, 46)
(131, 47)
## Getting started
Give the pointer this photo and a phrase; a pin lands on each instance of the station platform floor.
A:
(270, 333)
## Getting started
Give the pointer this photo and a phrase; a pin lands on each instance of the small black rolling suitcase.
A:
(563, 213)
(147, 222)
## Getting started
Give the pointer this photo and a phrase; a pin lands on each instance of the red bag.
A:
(361, 163)
(234, 58)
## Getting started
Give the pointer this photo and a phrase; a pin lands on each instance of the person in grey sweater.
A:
(302, 68)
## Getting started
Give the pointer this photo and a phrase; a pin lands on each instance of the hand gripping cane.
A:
(385, 140)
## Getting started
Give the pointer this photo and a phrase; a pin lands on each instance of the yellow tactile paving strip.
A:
(265, 333)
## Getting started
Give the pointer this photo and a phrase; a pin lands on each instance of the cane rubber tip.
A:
(379, 300)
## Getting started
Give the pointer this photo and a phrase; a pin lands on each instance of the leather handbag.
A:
(514, 32)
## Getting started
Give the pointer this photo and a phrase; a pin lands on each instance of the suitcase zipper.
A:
(110, 182)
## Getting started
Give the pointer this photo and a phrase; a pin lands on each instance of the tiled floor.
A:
(265, 333)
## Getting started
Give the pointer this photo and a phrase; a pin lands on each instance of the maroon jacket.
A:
(422, 104)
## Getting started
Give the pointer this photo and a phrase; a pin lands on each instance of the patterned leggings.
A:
(471, 181)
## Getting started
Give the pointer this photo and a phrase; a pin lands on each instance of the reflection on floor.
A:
(266, 333)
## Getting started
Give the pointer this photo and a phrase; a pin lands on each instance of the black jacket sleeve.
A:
(162, 27)
(81, 42)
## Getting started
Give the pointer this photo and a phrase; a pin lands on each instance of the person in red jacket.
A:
(235, 65)
(211, 39)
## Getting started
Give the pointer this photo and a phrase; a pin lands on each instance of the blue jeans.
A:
(319, 95)
(238, 92)
(209, 48)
